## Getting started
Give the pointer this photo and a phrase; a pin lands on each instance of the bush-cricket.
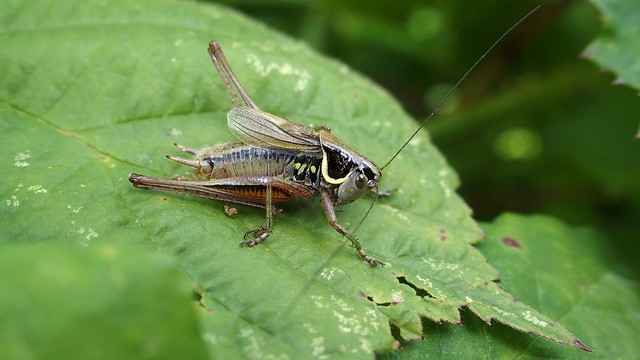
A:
(278, 160)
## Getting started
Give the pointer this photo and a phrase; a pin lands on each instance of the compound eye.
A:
(361, 181)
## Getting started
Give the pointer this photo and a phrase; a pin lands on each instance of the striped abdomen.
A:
(240, 160)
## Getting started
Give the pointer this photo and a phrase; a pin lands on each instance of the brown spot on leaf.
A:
(511, 242)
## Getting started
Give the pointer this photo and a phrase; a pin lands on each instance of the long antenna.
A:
(437, 108)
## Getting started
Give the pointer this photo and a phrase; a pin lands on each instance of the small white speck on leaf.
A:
(329, 273)
(19, 159)
(317, 300)
(534, 320)
(282, 68)
(38, 189)
(502, 312)
(13, 201)
(396, 297)
(318, 348)
(74, 210)
(446, 188)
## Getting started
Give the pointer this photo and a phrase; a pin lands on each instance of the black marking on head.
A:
(339, 163)
(369, 173)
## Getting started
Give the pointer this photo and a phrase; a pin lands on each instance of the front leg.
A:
(327, 205)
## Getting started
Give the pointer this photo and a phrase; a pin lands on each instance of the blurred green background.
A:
(536, 128)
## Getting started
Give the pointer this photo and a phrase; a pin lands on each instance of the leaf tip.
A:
(580, 345)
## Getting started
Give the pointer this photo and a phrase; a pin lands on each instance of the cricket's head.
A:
(351, 174)
(362, 179)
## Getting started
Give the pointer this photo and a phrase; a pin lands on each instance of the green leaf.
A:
(616, 47)
(575, 280)
(72, 303)
(565, 272)
(93, 92)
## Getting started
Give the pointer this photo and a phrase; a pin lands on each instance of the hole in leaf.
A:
(198, 296)
(420, 292)
(373, 301)
(395, 332)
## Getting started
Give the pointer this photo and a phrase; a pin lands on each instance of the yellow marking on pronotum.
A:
(325, 171)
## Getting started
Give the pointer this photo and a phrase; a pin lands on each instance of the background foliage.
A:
(535, 129)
